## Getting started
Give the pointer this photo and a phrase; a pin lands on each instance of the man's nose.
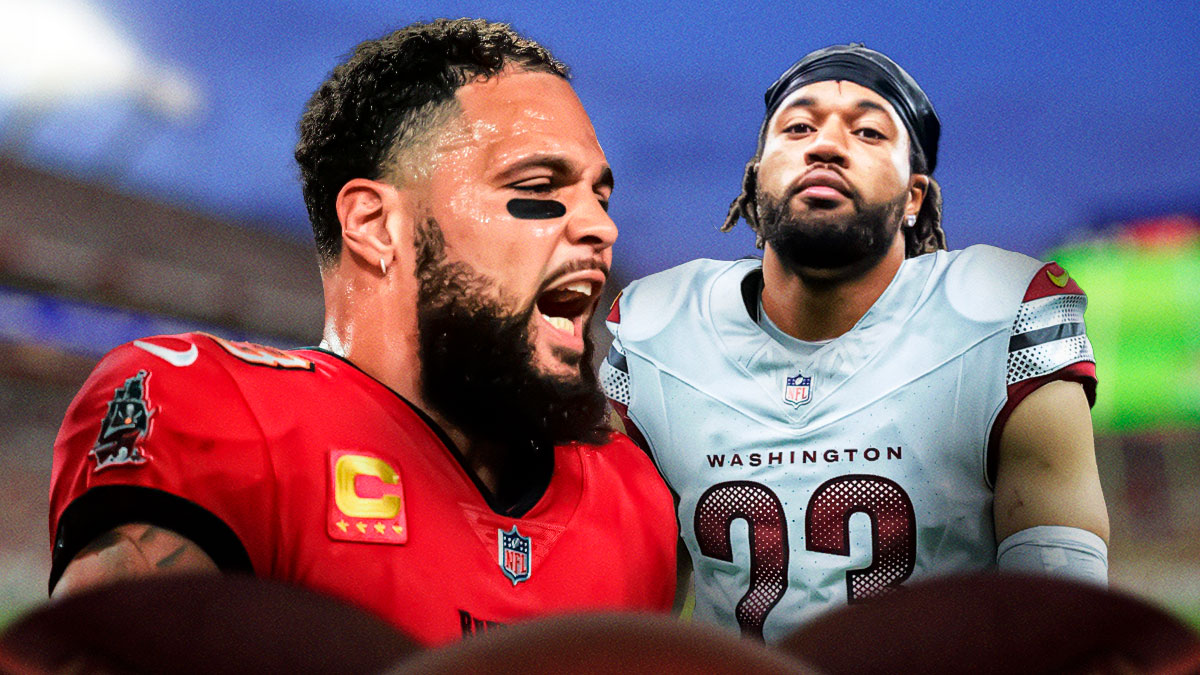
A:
(828, 146)
(590, 224)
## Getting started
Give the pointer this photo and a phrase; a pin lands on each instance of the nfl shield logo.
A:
(798, 390)
(514, 555)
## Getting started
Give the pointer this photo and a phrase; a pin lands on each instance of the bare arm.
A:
(1047, 473)
(131, 551)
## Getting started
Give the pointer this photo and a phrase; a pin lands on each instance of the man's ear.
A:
(367, 211)
(918, 188)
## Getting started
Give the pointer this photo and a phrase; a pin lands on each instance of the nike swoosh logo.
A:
(174, 357)
(1060, 280)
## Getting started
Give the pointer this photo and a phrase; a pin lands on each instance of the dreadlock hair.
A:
(374, 116)
(926, 236)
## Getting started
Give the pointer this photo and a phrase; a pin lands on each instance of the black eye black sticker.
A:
(536, 209)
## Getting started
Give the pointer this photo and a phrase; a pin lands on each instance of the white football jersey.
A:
(810, 475)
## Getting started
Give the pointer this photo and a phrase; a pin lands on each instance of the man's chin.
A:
(829, 244)
(825, 260)
(821, 215)
(821, 210)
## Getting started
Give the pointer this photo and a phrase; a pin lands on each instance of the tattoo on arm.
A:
(105, 541)
(131, 551)
(174, 557)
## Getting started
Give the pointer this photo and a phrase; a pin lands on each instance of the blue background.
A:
(1057, 117)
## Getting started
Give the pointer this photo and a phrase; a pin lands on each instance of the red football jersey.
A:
(297, 466)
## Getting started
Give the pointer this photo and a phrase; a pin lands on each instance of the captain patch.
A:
(367, 500)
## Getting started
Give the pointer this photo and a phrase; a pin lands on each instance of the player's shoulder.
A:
(982, 268)
(989, 283)
(982, 264)
(197, 369)
(616, 444)
(618, 460)
(617, 451)
(172, 389)
(683, 279)
(647, 305)
(196, 355)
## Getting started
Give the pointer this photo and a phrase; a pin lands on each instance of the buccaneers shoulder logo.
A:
(125, 424)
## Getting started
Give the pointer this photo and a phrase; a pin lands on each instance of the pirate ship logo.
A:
(125, 424)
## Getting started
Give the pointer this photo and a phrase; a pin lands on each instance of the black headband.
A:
(867, 67)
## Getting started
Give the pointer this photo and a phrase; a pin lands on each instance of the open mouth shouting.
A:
(566, 305)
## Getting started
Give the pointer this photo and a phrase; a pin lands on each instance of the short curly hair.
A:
(378, 108)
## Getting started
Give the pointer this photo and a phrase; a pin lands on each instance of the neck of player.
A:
(814, 305)
(377, 332)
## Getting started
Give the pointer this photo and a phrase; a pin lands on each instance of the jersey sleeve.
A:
(1047, 342)
(160, 433)
(614, 377)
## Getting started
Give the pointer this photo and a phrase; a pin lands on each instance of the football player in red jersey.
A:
(442, 459)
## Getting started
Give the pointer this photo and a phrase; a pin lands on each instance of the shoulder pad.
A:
(186, 374)
(262, 355)
(649, 304)
(986, 284)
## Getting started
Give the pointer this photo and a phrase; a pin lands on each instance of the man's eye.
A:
(867, 132)
(539, 186)
(798, 128)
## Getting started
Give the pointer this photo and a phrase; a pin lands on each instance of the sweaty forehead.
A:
(521, 113)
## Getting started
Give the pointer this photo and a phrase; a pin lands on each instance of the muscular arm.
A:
(1047, 473)
(131, 551)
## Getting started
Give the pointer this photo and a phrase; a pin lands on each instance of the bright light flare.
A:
(58, 51)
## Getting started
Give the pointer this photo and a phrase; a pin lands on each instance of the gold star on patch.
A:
(342, 525)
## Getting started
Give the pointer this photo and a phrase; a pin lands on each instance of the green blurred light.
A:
(1143, 319)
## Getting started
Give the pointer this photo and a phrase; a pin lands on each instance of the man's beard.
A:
(849, 245)
(478, 362)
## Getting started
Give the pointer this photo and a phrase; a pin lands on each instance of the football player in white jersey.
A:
(861, 408)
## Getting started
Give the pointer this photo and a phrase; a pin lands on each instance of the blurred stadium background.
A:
(146, 186)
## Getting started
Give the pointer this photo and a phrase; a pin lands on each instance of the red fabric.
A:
(614, 312)
(1046, 283)
(257, 446)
